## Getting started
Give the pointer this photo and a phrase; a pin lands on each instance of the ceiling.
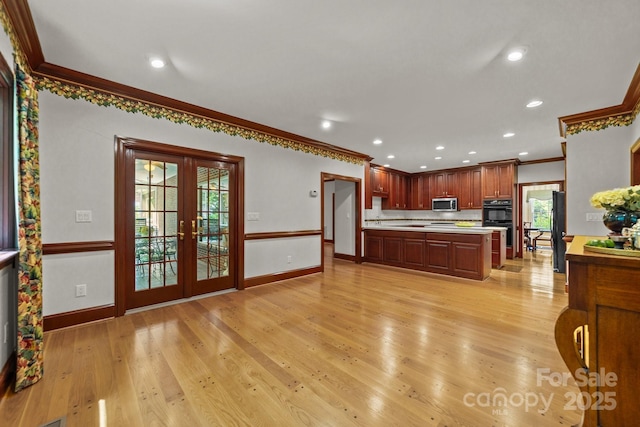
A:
(416, 74)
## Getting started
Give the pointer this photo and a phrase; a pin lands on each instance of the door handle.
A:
(181, 232)
(196, 231)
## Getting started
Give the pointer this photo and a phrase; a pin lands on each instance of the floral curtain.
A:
(30, 324)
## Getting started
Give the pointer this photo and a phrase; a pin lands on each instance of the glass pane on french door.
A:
(156, 224)
(212, 226)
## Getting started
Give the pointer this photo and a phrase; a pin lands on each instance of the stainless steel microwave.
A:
(444, 204)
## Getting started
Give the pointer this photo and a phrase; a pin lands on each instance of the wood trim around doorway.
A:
(635, 163)
(324, 176)
(124, 148)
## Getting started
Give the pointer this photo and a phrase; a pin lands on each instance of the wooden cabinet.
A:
(453, 254)
(498, 248)
(459, 255)
(604, 310)
(444, 184)
(379, 182)
(419, 192)
(498, 180)
(398, 192)
(373, 244)
(470, 184)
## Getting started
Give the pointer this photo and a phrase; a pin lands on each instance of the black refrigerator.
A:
(558, 229)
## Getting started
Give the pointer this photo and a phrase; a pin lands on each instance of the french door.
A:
(180, 226)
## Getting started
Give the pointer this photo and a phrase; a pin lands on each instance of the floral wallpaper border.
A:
(601, 124)
(74, 91)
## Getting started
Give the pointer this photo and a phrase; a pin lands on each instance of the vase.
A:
(617, 220)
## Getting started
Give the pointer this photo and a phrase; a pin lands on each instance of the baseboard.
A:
(8, 375)
(345, 257)
(276, 277)
(78, 317)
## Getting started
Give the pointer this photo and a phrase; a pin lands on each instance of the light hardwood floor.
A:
(357, 345)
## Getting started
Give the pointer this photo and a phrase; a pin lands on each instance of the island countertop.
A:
(430, 228)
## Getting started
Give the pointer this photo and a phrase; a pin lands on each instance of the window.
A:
(541, 213)
(7, 177)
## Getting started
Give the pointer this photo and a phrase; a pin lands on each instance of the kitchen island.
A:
(451, 250)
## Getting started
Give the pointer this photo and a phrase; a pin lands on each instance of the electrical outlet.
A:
(6, 332)
(289, 259)
(81, 290)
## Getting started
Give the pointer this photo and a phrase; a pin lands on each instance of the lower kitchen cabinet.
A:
(498, 248)
(454, 254)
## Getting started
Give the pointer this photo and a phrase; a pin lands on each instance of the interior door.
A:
(211, 242)
(180, 237)
(154, 243)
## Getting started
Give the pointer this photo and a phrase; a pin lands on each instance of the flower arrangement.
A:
(626, 199)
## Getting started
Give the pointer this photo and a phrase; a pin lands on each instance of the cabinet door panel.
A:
(414, 252)
(373, 248)
(466, 258)
(392, 251)
(438, 255)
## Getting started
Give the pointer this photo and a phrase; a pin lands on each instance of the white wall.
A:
(329, 191)
(541, 172)
(596, 161)
(77, 172)
(345, 213)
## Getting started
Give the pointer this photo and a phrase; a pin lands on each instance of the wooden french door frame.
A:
(124, 153)
(324, 176)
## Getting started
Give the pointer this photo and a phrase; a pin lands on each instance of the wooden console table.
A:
(598, 334)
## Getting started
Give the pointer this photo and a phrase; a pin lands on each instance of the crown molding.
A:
(535, 162)
(18, 24)
(595, 120)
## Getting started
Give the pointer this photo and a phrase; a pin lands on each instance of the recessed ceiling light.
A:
(326, 124)
(377, 141)
(515, 55)
(508, 135)
(534, 103)
(157, 63)
(472, 152)
(524, 153)
(423, 167)
(391, 156)
(439, 147)
(466, 161)
(438, 158)
(387, 165)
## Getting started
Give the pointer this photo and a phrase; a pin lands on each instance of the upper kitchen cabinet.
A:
(498, 180)
(398, 194)
(379, 182)
(419, 192)
(443, 184)
(470, 183)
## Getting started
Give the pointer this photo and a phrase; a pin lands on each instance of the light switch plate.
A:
(83, 216)
(594, 216)
(253, 216)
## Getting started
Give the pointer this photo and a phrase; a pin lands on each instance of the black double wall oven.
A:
(499, 213)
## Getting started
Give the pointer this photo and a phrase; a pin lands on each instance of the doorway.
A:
(177, 223)
(535, 215)
(345, 216)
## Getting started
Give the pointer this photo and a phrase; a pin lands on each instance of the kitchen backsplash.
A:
(377, 214)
